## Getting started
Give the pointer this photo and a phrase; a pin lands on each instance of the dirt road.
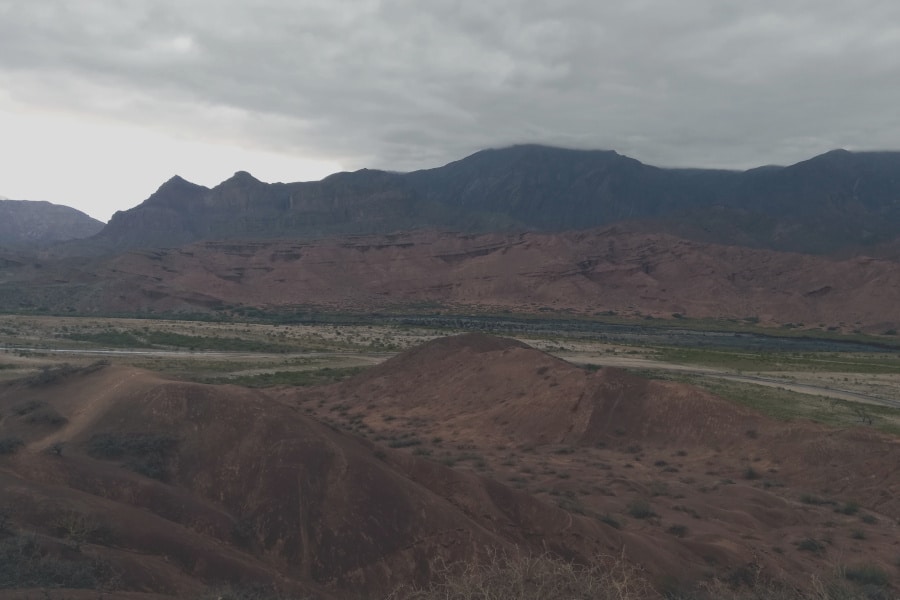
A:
(625, 362)
(630, 362)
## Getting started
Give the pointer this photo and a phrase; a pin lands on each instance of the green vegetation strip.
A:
(786, 405)
(782, 361)
(156, 339)
(294, 378)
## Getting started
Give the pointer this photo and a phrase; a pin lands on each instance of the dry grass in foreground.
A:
(521, 577)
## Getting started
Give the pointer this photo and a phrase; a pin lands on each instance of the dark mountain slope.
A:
(555, 189)
(29, 223)
(832, 202)
(243, 207)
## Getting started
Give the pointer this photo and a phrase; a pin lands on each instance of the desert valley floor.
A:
(341, 461)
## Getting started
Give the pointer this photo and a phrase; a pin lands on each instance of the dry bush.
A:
(759, 589)
(523, 577)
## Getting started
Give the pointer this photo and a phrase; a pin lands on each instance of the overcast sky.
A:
(103, 100)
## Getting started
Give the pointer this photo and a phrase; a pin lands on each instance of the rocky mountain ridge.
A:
(27, 223)
(829, 203)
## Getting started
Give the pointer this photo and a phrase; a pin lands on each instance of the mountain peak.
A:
(36, 222)
(176, 182)
(174, 190)
(241, 177)
(175, 179)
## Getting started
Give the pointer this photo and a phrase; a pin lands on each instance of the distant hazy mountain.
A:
(833, 201)
(29, 223)
(242, 206)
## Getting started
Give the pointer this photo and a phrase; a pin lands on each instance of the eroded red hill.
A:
(715, 485)
(465, 444)
(580, 273)
(176, 485)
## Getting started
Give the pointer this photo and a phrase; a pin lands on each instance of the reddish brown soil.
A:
(348, 489)
(252, 492)
(579, 272)
(743, 487)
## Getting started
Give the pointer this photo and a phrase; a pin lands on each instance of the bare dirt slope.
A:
(174, 487)
(138, 483)
(578, 272)
(719, 488)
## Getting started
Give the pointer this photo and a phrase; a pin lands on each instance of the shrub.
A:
(404, 443)
(26, 407)
(609, 520)
(147, 453)
(814, 500)
(867, 575)
(46, 416)
(868, 519)
(116, 445)
(533, 578)
(849, 508)
(247, 592)
(10, 445)
(25, 564)
(640, 509)
(5, 523)
(811, 545)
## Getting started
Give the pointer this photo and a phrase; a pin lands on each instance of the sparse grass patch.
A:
(746, 360)
(867, 574)
(303, 378)
(533, 578)
(786, 405)
(248, 592)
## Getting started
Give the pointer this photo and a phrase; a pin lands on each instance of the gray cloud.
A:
(401, 84)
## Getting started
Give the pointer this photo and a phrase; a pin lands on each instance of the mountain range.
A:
(27, 223)
(839, 201)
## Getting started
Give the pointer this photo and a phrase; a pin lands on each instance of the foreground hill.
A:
(114, 478)
(708, 485)
(26, 223)
(581, 273)
(835, 201)
(123, 480)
